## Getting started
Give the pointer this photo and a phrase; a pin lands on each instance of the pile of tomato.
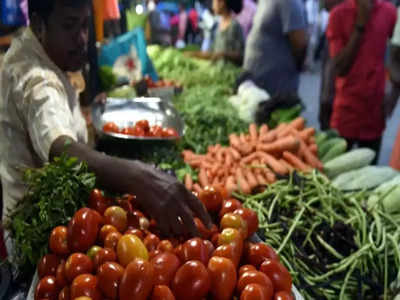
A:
(158, 84)
(142, 128)
(111, 250)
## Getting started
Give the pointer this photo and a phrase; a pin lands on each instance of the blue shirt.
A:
(268, 54)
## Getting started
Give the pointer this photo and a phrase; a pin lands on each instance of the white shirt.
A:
(37, 105)
(396, 33)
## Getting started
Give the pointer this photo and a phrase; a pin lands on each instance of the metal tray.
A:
(126, 112)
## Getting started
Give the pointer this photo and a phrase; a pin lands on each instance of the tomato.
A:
(256, 277)
(178, 251)
(259, 252)
(170, 132)
(165, 246)
(138, 131)
(47, 288)
(229, 206)
(229, 235)
(165, 266)
(77, 264)
(104, 231)
(246, 268)
(232, 251)
(195, 249)
(83, 229)
(162, 292)
(104, 255)
(223, 277)
(191, 281)
(98, 202)
(210, 247)
(125, 131)
(231, 220)
(254, 291)
(278, 274)
(58, 241)
(144, 223)
(117, 217)
(137, 280)
(250, 217)
(283, 295)
(83, 298)
(154, 253)
(144, 124)
(204, 232)
(215, 238)
(65, 294)
(211, 198)
(151, 241)
(110, 127)
(136, 232)
(156, 131)
(48, 265)
(93, 251)
(130, 247)
(109, 277)
(85, 285)
(112, 239)
(61, 279)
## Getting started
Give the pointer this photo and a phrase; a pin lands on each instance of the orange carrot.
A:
(273, 163)
(287, 165)
(309, 157)
(215, 181)
(230, 185)
(288, 143)
(263, 130)
(214, 169)
(306, 134)
(298, 123)
(312, 140)
(314, 149)
(261, 179)
(203, 179)
(249, 158)
(195, 163)
(235, 154)
(228, 158)
(253, 133)
(220, 155)
(242, 138)
(269, 137)
(188, 182)
(197, 188)
(269, 175)
(251, 179)
(242, 182)
(295, 162)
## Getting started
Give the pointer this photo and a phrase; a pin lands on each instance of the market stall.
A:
(327, 221)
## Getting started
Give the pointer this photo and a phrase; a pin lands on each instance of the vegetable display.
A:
(255, 159)
(142, 129)
(335, 244)
(112, 252)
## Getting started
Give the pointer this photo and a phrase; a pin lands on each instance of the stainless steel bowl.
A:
(126, 112)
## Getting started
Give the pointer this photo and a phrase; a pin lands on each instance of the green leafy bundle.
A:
(55, 193)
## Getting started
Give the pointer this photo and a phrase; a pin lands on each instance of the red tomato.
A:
(111, 127)
(256, 277)
(204, 232)
(254, 291)
(250, 217)
(85, 285)
(211, 198)
(104, 231)
(215, 238)
(58, 241)
(223, 277)
(136, 232)
(162, 292)
(151, 241)
(154, 253)
(178, 251)
(257, 253)
(246, 268)
(229, 206)
(278, 274)
(232, 251)
(104, 255)
(231, 220)
(165, 266)
(48, 265)
(77, 264)
(138, 131)
(65, 294)
(283, 295)
(195, 249)
(156, 131)
(61, 279)
(210, 247)
(144, 124)
(191, 281)
(170, 132)
(109, 277)
(47, 289)
(125, 131)
(137, 281)
(83, 229)
(117, 217)
(112, 240)
(165, 246)
(98, 202)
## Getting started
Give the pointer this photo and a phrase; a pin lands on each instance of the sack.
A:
(127, 55)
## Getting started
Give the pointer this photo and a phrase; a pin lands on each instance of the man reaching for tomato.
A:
(40, 119)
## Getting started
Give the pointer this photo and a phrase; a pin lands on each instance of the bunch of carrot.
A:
(254, 159)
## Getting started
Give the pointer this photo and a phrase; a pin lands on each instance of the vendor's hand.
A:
(364, 11)
(100, 98)
(170, 203)
(325, 112)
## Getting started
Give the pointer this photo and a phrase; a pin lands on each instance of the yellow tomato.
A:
(130, 247)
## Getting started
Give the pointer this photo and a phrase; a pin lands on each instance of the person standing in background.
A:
(358, 32)
(183, 22)
(246, 16)
(277, 45)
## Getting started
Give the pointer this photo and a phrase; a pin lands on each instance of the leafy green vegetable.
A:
(55, 193)
(107, 78)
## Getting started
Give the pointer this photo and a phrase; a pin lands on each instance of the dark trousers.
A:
(371, 144)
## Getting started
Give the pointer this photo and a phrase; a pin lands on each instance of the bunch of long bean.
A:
(334, 247)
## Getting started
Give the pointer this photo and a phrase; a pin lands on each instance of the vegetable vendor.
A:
(41, 119)
(228, 42)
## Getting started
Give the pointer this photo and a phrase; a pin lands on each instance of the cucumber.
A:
(332, 133)
(320, 138)
(338, 149)
(352, 160)
(328, 145)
